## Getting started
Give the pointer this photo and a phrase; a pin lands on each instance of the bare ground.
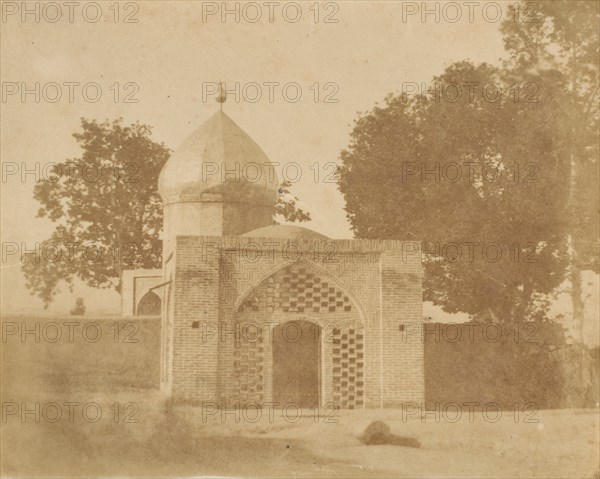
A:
(189, 442)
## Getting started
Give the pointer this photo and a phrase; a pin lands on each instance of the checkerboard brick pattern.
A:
(249, 369)
(297, 289)
(348, 368)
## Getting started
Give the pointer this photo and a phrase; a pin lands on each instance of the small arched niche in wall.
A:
(149, 305)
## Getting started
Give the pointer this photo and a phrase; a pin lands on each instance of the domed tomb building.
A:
(255, 313)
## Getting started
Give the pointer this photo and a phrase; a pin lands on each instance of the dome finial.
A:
(222, 96)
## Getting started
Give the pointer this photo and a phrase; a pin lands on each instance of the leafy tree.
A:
(554, 57)
(461, 174)
(106, 206)
(107, 210)
(562, 37)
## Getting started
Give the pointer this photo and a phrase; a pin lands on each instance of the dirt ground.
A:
(94, 411)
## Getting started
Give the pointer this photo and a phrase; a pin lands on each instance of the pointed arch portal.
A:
(315, 352)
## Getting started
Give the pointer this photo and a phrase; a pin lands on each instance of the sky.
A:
(174, 52)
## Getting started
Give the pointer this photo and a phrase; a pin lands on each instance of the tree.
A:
(471, 175)
(79, 308)
(107, 210)
(106, 207)
(563, 37)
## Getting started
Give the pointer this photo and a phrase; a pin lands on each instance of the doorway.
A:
(296, 360)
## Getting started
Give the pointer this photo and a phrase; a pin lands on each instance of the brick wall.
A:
(196, 299)
(403, 372)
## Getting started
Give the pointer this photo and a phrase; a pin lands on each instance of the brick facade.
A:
(229, 295)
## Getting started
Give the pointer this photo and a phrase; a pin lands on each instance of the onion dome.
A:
(218, 162)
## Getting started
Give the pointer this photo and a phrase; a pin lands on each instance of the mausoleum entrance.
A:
(296, 364)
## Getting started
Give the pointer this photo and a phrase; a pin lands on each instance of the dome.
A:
(285, 231)
(218, 157)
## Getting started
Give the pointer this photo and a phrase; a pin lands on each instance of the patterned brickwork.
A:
(249, 369)
(254, 370)
(348, 367)
(296, 289)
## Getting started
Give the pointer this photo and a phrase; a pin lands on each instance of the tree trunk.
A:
(577, 304)
(577, 301)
